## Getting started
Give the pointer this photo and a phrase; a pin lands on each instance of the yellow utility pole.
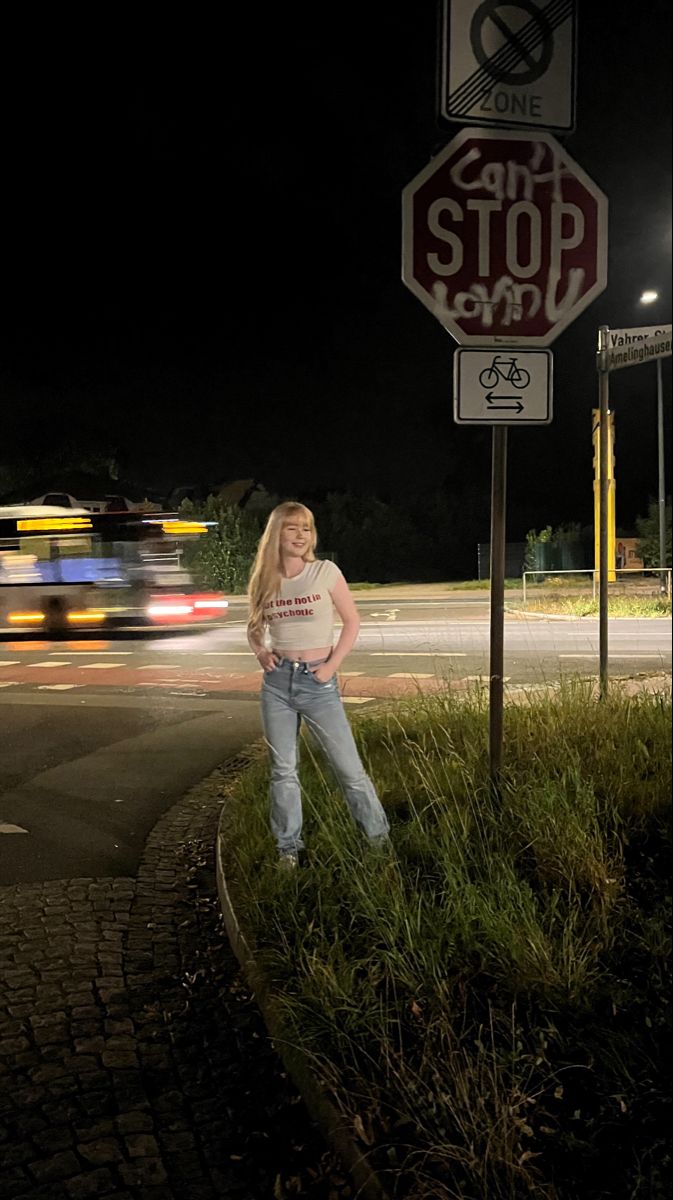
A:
(612, 524)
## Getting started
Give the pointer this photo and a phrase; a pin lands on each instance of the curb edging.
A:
(324, 1112)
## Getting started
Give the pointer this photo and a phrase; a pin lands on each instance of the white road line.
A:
(9, 683)
(613, 654)
(5, 827)
(90, 653)
(14, 662)
(417, 654)
(56, 687)
(357, 699)
(410, 675)
(228, 654)
(159, 667)
(349, 674)
(99, 666)
(49, 664)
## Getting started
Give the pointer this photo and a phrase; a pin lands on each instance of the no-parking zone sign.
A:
(509, 62)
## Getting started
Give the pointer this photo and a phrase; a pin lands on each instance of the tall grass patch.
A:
(488, 1004)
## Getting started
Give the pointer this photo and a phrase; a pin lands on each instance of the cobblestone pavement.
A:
(133, 1060)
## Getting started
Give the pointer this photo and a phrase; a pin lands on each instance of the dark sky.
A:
(201, 251)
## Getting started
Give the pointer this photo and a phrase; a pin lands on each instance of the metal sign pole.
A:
(496, 672)
(662, 477)
(603, 406)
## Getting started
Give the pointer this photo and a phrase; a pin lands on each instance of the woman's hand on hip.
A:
(267, 660)
(323, 673)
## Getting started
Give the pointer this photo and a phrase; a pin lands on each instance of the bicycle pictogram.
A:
(505, 370)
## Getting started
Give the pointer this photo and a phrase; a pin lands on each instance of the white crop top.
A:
(301, 616)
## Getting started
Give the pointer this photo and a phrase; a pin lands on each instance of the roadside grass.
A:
(461, 585)
(488, 1004)
(585, 606)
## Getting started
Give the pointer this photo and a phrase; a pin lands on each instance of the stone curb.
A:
(128, 1047)
(320, 1106)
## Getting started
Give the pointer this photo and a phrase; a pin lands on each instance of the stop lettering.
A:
(505, 238)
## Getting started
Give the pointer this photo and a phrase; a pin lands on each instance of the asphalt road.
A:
(102, 736)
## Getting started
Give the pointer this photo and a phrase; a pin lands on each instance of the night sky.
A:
(201, 253)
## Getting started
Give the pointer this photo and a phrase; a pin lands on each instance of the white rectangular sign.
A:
(502, 386)
(509, 62)
(629, 347)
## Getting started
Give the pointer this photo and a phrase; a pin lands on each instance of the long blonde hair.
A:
(266, 574)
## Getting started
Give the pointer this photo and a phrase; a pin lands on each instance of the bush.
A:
(222, 559)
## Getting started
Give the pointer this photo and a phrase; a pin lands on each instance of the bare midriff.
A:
(304, 655)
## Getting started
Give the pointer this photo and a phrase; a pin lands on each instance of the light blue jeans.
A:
(291, 693)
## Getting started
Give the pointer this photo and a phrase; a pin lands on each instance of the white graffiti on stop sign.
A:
(502, 180)
(509, 181)
(478, 303)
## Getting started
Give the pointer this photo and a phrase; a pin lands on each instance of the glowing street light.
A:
(649, 297)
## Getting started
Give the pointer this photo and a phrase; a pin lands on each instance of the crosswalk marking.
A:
(9, 683)
(49, 663)
(7, 827)
(13, 662)
(418, 654)
(410, 675)
(99, 666)
(56, 687)
(159, 667)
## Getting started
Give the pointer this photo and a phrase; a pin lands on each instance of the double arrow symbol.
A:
(518, 407)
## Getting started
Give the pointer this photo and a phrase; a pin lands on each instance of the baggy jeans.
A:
(290, 694)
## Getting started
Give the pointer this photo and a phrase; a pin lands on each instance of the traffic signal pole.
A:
(497, 657)
(603, 407)
(662, 477)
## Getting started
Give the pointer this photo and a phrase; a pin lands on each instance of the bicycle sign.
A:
(505, 370)
(493, 388)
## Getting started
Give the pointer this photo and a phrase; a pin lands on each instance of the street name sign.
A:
(504, 238)
(628, 347)
(498, 387)
(509, 62)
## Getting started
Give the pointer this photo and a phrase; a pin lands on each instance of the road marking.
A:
(49, 664)
(417, 654)
(56, 687)
(99, 666)
(156, 667)
(357, 699)
(228, 654)
(613, 654)
(5, 827)
(13, 662)
(90, 653)
(9, 683)
(349, 674)
(409, 675)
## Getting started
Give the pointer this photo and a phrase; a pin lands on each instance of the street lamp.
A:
(649, 297)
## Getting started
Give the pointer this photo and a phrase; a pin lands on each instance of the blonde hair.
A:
(266, 574)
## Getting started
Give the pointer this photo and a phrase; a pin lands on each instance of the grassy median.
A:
(490, 1003)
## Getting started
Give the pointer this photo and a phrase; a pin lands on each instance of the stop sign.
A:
(504, 238)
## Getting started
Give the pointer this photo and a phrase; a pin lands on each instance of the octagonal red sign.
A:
(504, 238)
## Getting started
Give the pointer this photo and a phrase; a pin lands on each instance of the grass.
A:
(489, 1004)
(585, 606)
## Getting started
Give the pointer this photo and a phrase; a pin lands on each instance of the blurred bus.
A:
(64, 570)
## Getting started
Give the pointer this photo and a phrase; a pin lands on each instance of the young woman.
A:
(290, 629)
